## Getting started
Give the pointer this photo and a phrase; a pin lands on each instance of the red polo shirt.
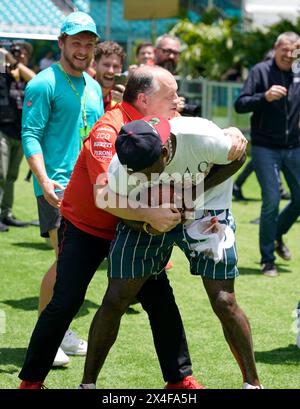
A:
(78, 204)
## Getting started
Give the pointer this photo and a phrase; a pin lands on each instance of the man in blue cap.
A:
(61, 104)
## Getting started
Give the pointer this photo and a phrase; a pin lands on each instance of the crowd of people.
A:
(87, 133)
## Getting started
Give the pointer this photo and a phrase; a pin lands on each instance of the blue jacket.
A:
(273, 124)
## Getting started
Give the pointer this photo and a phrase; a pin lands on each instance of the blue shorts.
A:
(211, 254)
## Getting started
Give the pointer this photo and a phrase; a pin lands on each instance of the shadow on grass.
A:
(286, 355)
(245, 202)
(131, 311)
(31, 304)
(12, 360)
(25, 304)
(37, 246)
(86, 307)
(257, 271)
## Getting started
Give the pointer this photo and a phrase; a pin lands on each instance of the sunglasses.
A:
(168, 51)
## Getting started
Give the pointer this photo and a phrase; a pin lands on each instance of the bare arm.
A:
(238, 143)
(37, 165)
(237, 155)
(162, 219)
(21, 70)
(26, 73)
(219, 173)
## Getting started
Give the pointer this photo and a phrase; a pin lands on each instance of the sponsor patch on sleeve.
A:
(102, 145)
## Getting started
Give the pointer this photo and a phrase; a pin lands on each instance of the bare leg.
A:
(46, 290)
(235, 325)
(105, 325)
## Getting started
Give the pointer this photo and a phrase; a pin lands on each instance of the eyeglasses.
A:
(168, 51)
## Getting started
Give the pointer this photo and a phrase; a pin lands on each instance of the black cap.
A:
(139, 143)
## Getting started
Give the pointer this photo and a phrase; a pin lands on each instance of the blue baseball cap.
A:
(139, 143)
(77, 22)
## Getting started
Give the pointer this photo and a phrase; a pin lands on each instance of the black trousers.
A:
(80, 254)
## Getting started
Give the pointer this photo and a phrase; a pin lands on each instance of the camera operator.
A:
(13, 78)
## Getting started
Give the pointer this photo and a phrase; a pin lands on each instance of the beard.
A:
(169, 65)
(83, 66)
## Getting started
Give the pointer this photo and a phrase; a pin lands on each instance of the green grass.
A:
(132, 363)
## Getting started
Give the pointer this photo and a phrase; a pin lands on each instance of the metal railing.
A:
(216, 100)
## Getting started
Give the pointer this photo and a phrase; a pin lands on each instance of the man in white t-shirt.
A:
(179, 155)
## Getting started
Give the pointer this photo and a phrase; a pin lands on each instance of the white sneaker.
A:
(249, 386)
(298, 340)
(87, 386)
(61, 358)
(71, 345)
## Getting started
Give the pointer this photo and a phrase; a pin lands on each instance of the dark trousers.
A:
(273, 224)
(11, 155)
(80, 254)
(245, 173)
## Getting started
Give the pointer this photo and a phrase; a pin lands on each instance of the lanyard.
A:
(83, 104)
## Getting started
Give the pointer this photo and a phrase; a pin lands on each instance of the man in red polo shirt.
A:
(85, 234)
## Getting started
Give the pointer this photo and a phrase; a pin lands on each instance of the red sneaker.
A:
(32, 385)
(169, 265)
(188, 382)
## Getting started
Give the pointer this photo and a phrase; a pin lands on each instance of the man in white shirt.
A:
(193, 149)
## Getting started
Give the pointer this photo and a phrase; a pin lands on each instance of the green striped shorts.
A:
(211, 254)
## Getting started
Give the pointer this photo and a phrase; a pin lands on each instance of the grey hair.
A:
(166, 36)
(143, 80)
(288, 35)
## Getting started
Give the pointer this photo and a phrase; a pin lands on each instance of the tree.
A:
(214, 45)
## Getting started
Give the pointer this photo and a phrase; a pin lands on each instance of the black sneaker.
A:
(269, 269)
(3, 227)
(282, 250)
(13, 221)
(237, 192)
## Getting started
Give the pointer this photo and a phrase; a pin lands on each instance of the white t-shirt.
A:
(200, 145)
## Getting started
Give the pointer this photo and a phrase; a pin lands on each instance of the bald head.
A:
(145, 79)
(150, 85)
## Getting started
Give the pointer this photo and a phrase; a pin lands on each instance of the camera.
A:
(120, 79)
(191, 110)
(15, 49)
